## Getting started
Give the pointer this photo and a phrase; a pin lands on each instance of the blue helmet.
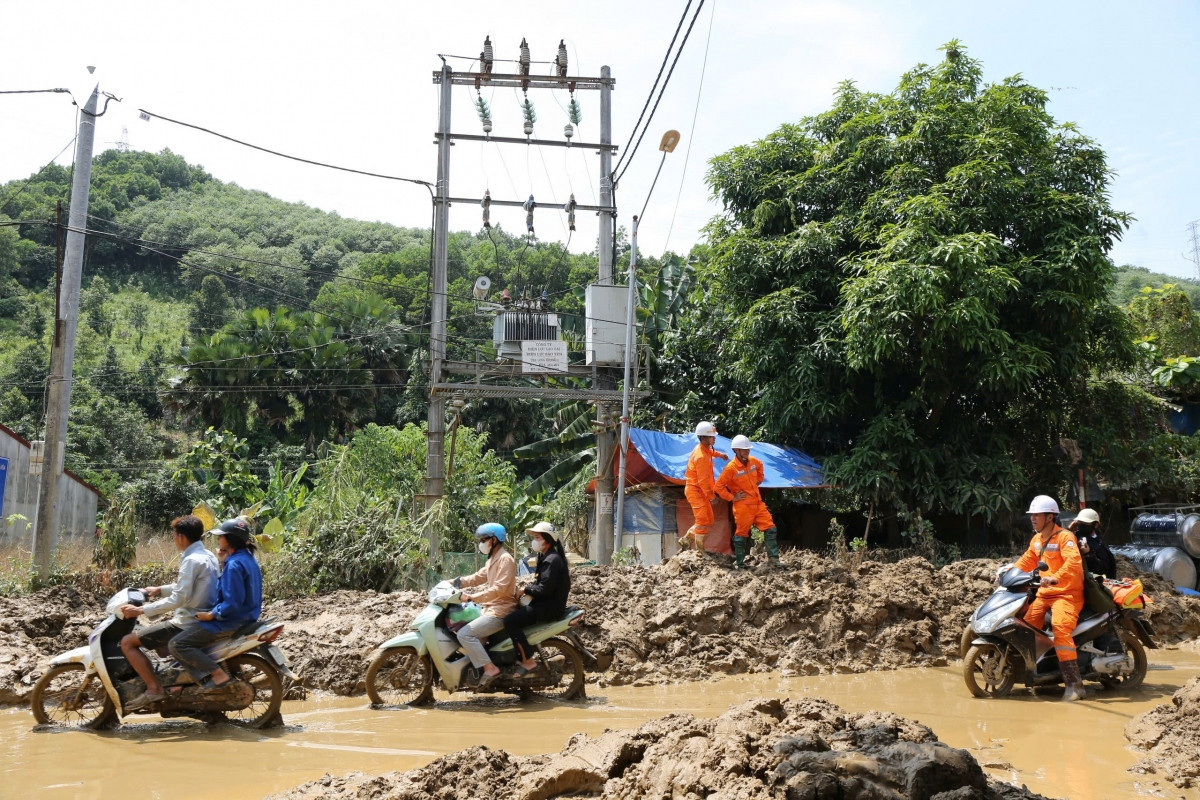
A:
(491, 529)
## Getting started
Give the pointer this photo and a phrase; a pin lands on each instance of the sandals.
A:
(145, 699)
(486, 680)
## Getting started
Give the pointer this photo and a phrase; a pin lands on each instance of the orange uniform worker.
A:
(699, 484)
(1062, 587)
(738, 483)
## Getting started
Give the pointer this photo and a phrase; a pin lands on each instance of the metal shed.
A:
(78, 501)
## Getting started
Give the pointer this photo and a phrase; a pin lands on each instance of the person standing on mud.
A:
(498, 576)
(193, 591)
(1096, 555)
(1061, 591)
(699, 485)
(738, 484)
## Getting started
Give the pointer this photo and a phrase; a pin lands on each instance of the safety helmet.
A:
(236, 530)
(706, 428)
(491, 530)
(1088, 516)
(741, 442)
(545, 530)
(1043, 504)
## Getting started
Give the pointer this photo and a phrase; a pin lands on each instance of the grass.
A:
(71, 563)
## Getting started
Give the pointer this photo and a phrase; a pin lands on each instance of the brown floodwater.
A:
(1056, 749)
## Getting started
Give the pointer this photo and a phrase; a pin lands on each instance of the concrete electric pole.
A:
(62, 359)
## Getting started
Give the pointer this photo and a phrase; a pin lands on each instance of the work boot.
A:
(771, 539)
(1070, 673)
(741, 545)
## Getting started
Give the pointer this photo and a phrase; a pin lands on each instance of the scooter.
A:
(90, 686)
(404, 669)
(1005, 649)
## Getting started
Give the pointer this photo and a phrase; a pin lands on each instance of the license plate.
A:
(277, 655)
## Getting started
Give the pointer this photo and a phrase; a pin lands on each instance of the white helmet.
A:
(543, 528)
(741, 443)
(1043, 504)
(1088, 515)
(706, 428)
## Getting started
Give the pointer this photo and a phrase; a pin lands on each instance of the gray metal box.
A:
(605, 306)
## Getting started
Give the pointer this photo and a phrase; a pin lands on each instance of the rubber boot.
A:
(741, 545)
(771, 540)
(1070, 673)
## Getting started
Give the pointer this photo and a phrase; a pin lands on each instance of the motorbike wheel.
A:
(987, 673)
(565, 667)
(1134, 648)
(400, 677)
(66, 695)
(964, 644)
(263, 711)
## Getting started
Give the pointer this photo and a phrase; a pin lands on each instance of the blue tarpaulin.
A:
(667, 454)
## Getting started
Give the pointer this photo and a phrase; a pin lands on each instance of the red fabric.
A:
(717, 538)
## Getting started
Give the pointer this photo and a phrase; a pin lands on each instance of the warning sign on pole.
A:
(538, 355)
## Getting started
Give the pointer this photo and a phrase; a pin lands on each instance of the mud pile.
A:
(689, 619)
(1170, 735)
(763, 748)
(692, 618)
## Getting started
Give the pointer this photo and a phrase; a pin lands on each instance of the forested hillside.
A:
(208, 305)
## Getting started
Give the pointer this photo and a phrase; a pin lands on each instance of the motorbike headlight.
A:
(986, 623)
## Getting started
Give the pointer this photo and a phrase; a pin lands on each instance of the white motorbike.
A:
(89, 687)
(405, 669)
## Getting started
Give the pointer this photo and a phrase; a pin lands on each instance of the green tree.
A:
(910, 285)
(1164, 317)
(93, 301)
(139, 317)
(210, 308)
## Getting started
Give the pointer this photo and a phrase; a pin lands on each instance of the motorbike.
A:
(89, 687)
(405, 669)
(1004, 649)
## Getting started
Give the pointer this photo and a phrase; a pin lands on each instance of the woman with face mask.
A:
(547, 594)
(498, 579)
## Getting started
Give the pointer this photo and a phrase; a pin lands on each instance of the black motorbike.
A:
(1005, 650)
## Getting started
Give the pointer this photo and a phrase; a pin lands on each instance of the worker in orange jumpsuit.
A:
(698, 485)
(1062, 587)
(738, 483)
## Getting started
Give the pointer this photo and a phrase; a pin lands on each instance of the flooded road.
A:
(1084, 755)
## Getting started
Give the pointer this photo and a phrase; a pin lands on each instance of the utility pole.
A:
(435, 463)
(1194, 230)
(603, 393)
(62, 359)
(606, 439)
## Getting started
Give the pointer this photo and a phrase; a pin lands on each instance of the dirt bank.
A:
(688, 619)
(1170, 735)
(762, 748)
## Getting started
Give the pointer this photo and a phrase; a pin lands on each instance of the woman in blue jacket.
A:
(239, 601)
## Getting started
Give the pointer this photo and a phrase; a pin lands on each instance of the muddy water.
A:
(1085, 755)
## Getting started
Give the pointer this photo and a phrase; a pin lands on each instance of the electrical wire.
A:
(29, 181)
(657, 78)
(417, 181)
(692, 133)
(630, 153)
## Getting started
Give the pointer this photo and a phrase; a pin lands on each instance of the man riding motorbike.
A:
(498, 577)
(1061, 589)
(194, 590)
(548, 593)
(239, 601)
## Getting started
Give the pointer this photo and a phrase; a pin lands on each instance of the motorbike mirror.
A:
(1042, 566)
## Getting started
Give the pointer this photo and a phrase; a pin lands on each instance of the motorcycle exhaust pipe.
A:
(1117, 665)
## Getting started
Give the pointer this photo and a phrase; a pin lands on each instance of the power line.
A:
(630, 153)
(657, 77)
(692, 133)
(417, 181)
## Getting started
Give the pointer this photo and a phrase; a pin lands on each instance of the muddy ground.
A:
(762, 748)
(689, 619)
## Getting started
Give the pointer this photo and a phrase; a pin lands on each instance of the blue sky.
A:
(351, 84)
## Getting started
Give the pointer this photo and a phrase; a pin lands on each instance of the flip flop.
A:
(520, 671)
(144, 699)
(487, 680)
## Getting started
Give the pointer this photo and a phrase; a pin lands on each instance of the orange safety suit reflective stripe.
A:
(698, 488)
(750, 510)
(1064, 599)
